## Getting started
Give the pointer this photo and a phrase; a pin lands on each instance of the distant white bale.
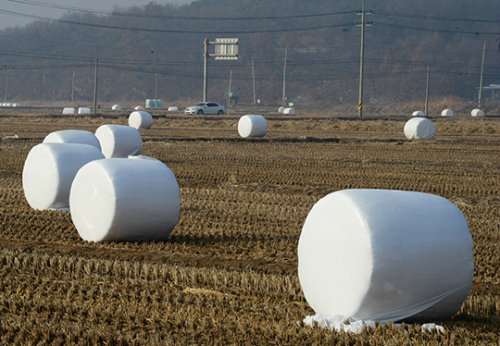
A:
(418, 114)
(289, 111)
(73, 136)
(173, 109)
(477, 113)
(50, 169)
(69, 110)
(140, 120)
(16, 105)
(447, 113)
(385, 255)
(281, 109)
(8, 104)
(116, 108)
(84, 110)
(252, 126)
(125, 200)
(139, 108)
(419, 128)
(119, 140)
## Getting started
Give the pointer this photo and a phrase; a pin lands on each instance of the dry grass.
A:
(227, 275)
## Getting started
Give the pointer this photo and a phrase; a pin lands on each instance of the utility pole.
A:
(6, 85)
(362, 57)
(95, 85)
(481, 79)
(283, 101)
(73, 87)
(205, 70)
(427, 90)
(230, 81)
(253, 78)
(156, 86)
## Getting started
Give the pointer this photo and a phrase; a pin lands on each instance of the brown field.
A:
(228, 273)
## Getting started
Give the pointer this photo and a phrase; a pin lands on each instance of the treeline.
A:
(157, 51)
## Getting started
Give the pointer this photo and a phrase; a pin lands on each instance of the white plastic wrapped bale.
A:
(73, 136)
(50, 169)
(281, 109)
(139, 108)
(385, 255)
(477, 113)
(125, 200)
(419, 128)
(119, 140)
(116, 108)
(69, 110)
(418, 114)
(16, 105)
(447, 113)
(140, 120)
(173, 109)
(252, 126)
(84, 110)
(289, 111)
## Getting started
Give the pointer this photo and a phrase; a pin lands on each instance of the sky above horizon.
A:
(30, 7)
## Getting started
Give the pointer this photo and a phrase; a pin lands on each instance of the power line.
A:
(103, 26)
(153, 16)
(425, 17)
(399, 26)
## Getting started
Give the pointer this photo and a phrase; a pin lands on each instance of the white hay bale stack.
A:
(140, 120)
(252, 126)
(173, 109)
(69, 110)
(125, 200)
(419, 128)
(281, 109)
(447, 113)
(73, 136)
(139, 108)
(116, 108)
(418, 114)
(289, 110)
(119, 140)
(477, 113)
(50, 169)
(84, 110)
(385, 255)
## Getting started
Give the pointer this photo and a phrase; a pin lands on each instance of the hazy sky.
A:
(22, 6)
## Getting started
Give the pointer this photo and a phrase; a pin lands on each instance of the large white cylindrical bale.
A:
(125, 200)
(447, 113)
(116, 107)
(140, 120)
(289, 111)
(252, 126)
(385, 255)
(119, 140)
(173, 109)
(139, 108)
(84, 110)
(73, 136)
(50, 169)
(69, 110)
(477, 113)
(418, 114)
(419, 128)
(281, 109)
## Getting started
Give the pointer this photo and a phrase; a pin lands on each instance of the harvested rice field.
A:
(228, 273)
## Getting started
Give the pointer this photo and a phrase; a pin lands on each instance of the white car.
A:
(206, 108)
